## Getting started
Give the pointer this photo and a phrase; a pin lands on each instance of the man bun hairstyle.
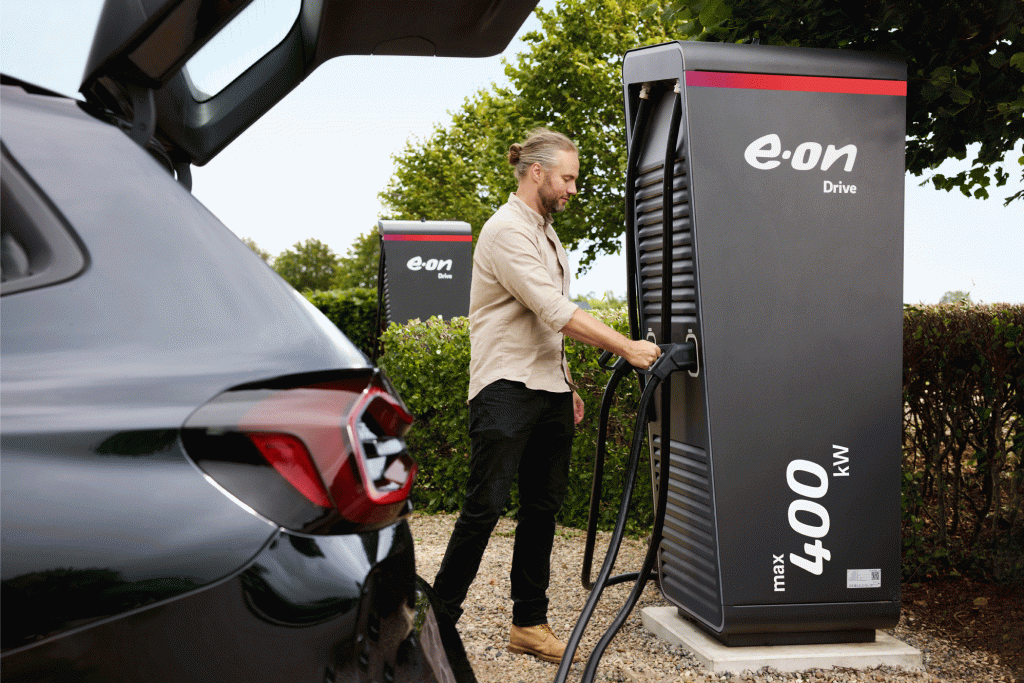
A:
(514, 152)
(541, 147)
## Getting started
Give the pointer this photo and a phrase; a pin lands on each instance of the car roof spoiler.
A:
(141, 46)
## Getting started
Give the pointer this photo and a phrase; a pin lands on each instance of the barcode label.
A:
(863, 578)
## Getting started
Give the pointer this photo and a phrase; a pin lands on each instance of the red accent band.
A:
(428, 238)
(853, 86)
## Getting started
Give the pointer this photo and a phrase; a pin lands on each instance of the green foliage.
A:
(591, 380)
(963, 479)
(966, 86)
(460, 172)
(965, 64)
(358, 268)
(353, 311)
(307, 265)
(428, 362)
(603, 302)
(568, 79)
(955, 297)
(262, 253)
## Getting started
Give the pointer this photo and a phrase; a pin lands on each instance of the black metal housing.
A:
(425, 270)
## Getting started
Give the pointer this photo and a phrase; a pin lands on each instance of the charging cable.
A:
(674, 357)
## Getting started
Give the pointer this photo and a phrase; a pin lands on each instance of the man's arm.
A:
(589, 330)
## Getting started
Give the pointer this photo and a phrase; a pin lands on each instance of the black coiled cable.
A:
(614, 544)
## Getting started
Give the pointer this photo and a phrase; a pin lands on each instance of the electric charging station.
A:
(774, 244)
(425, 269)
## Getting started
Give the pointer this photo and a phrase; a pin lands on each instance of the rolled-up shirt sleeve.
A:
(518, 267)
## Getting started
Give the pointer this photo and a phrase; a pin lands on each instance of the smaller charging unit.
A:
(765, 228)
(425, 269)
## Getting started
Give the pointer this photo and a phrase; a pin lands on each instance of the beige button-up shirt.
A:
(518, 302)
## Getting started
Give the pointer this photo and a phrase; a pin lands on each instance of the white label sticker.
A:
(863, 578)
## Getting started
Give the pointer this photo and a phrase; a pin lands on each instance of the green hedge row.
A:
(963, 436)
(354, 311)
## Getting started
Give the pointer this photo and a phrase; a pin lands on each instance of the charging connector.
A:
(673, 358)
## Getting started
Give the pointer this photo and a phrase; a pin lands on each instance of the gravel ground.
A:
(635, 654)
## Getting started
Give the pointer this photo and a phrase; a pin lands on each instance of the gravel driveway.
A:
(635, 655)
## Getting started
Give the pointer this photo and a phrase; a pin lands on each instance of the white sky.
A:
(313, 166)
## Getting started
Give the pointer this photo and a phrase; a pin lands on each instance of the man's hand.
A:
(641, 353)
(577, 407)
(586, 328)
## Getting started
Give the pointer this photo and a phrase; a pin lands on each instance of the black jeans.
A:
(514, 431)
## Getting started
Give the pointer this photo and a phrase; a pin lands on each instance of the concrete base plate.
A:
(666, 623)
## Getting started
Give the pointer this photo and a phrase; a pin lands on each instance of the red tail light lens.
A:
(323, 457)
(288, 455)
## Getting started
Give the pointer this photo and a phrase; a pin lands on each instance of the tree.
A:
(262, 253)
(460, 172)
(965, 66)
(955, 297)
(358, 268)
(307, 265)
(571, 79)
(966, 71)
(568, 79)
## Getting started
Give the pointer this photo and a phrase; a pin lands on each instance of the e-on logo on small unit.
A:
(417, 263)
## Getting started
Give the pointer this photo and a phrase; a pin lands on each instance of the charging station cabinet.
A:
(776, 246)
(425, 269)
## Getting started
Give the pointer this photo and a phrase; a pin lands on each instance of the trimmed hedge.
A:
(963, 479)
(353, 311)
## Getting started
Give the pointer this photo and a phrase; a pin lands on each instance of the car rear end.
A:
(203, 479)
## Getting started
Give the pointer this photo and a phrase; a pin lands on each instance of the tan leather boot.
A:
(538, 641)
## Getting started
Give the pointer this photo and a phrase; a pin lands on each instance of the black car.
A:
(202, 478)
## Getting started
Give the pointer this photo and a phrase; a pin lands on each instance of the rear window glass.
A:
(256, 30)
(36, 247)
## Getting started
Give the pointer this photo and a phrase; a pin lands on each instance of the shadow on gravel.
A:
(978, 616)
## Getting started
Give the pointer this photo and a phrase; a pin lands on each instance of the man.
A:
(523, 406)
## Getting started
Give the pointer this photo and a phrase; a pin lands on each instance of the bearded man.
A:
(523, 405)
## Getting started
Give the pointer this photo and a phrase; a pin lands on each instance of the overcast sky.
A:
(313, 166)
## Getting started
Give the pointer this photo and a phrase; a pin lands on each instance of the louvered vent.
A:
(649, 222)
(688, 558)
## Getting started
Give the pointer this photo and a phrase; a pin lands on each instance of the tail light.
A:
(317, 457)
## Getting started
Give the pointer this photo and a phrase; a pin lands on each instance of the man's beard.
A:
(549, 199)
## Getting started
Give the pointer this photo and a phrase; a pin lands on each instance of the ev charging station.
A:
(774, 245)
(425, 269)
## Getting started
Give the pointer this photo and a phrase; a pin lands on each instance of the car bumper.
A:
(308, 608)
